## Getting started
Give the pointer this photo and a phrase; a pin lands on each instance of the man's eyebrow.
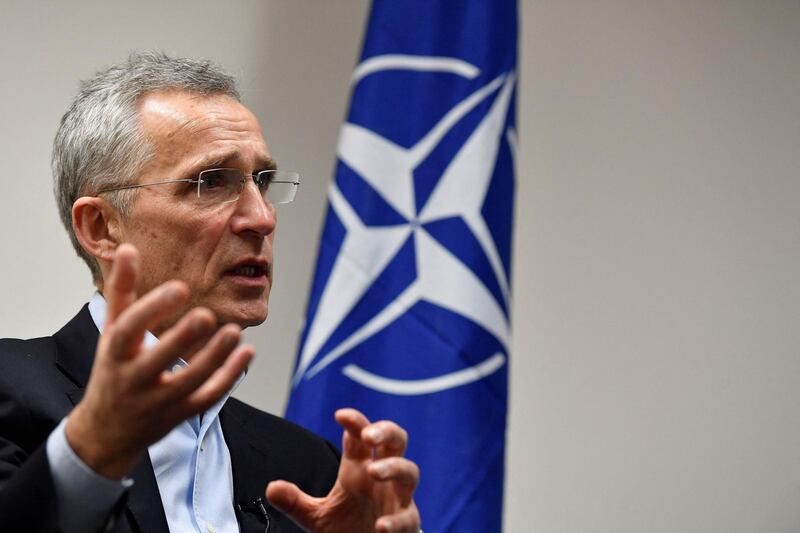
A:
(212, 162)
(217, 161)
(269, 164)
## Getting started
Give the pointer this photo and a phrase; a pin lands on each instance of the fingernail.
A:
(381, 469)
(199, 325)
(173, 293)
(231, 340)
(374, 434)
(387, 524)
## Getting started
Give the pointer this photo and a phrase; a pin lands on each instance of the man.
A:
(167, 189)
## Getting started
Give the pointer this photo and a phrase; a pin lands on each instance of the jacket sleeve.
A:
(31, 498)
(27, 497)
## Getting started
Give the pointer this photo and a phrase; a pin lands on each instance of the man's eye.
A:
(263, 180)
(212, 182)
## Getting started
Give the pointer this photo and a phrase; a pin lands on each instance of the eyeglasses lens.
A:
(224, 185)
(278, 186)
(219, 186)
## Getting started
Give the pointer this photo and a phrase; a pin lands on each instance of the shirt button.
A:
(210, 527)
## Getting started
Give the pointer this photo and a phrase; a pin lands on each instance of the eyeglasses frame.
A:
(199, 180)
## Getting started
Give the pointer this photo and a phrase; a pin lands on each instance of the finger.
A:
(125, 335)
(405, 521)
(385, 435)
(220, 381)
(353, 423)
(404, 475)
(398, 469)
(198, 324)
(120, 289)
(203, 363)
(293, 502)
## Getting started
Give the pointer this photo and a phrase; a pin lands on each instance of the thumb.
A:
(293, 502)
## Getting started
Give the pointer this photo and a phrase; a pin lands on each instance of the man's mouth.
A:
(250, 270)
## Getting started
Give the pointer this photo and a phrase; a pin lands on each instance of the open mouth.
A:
(249, 271)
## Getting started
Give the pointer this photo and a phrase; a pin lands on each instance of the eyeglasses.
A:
(224, 185)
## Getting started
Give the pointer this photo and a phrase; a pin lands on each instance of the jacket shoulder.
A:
(26, 345)
(32, 391)
(25, 356)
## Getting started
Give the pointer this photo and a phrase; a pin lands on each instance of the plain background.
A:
(655, 381)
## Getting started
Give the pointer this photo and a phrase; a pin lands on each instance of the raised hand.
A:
(132, 398)
(374, 490)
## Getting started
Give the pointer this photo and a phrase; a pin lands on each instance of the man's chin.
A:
(245, 317)
(254, 322)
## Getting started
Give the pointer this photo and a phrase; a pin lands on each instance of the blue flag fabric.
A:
(409, 313)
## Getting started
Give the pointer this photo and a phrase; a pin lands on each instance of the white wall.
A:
(655, 375)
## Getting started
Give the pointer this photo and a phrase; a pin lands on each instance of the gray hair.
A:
(100, 143)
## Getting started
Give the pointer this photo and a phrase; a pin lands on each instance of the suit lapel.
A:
(247, 462)
(77, 343)
(254, 466)
(144, 500)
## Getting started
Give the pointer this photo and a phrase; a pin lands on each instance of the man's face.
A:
(223, 253)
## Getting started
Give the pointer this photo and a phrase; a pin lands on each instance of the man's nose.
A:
(253, 213)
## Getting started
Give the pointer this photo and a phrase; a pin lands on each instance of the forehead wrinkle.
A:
(221, 131)
(194, 125)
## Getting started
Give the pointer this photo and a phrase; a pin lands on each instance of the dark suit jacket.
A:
(42, 379)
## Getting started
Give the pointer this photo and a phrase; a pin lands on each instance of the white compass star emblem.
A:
(442, 279)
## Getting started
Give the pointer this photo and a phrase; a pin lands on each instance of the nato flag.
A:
(409, 313)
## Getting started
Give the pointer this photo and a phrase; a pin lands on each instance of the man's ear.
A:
(96, 226)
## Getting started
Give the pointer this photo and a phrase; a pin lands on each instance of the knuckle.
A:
(116, 330)
(397, 436)
(390, 427)
(119, 336)
(406, 521)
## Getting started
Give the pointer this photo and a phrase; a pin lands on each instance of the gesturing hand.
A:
(374, 489)
(132, 399)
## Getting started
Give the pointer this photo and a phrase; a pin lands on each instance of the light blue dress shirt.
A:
(191, 463)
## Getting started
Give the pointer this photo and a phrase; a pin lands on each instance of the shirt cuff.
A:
(85, 498)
